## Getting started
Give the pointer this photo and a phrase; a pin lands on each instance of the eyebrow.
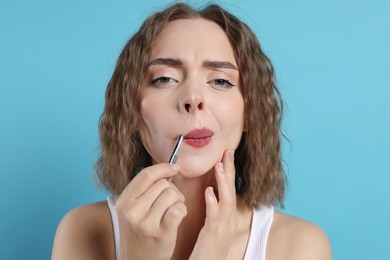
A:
(206, 63)
(166, 61)
(219, 65)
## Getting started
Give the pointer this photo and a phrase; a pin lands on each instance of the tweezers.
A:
(175, 153)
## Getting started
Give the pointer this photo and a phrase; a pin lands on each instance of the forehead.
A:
(192, 38)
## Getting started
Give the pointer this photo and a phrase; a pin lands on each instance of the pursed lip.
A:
(199, 134)
(198, 138)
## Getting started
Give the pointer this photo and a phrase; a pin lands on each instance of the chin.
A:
(194, 165)
(193, 171)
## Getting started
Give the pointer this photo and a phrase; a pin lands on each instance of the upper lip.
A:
(199, 133)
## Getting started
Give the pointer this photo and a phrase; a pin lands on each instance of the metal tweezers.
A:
(175, 153)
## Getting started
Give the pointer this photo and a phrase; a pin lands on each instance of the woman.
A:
(201, 74)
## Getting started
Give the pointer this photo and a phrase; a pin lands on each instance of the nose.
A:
(191, 103)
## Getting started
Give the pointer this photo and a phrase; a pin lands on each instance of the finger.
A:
(140, 207)
(169, 197)
(173, 217)
(230, 170)
(148, 176)
(212, 209)
(224, 174)
(227, 169)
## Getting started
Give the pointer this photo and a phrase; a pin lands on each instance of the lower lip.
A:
(198, 142)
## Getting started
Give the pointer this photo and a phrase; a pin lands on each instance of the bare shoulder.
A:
(85, 233)
(294, 238)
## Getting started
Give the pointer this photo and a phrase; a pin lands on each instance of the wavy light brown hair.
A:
(259, 178)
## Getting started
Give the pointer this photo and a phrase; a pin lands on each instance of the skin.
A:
(195, 214)
(200, 90)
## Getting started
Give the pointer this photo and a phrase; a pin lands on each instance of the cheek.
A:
(147, 111)
(150, 119)
(153, 127)
(234, 114)
(233, 122)
(153, 112)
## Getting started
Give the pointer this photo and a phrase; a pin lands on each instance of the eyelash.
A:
(216, 83)
(158, 81)
(226, 84)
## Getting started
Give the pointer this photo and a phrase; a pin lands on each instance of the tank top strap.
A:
(111, 201)
(261, 224)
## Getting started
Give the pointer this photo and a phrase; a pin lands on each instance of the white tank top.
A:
(256, 249)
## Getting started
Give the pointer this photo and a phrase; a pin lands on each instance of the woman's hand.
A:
(221, 222)
(150, 210)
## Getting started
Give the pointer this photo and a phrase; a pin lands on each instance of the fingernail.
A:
(175, 167)
(231, 156)
(210, 191)
(220, 167)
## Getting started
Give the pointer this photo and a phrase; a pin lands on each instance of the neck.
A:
(193, 190)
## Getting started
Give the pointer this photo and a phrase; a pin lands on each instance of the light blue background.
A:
(332, 63)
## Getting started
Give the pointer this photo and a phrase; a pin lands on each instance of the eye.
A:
(221, 84)
(162, 81)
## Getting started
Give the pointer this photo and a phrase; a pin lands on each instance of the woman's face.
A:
(192, 87)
